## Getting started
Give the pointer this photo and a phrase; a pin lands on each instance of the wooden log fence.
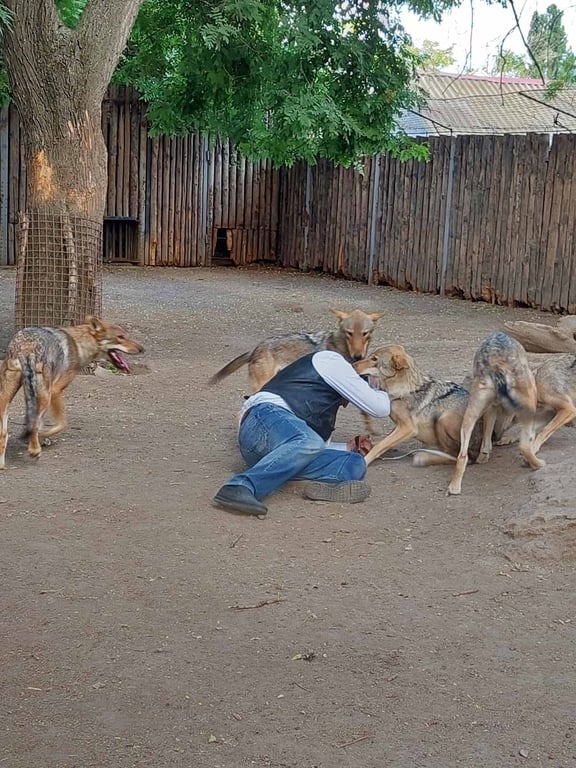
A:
(170, 201)
(488, 218)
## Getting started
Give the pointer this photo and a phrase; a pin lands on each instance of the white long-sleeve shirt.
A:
(339, 374)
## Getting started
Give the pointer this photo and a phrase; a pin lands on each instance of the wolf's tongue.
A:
(119, 360)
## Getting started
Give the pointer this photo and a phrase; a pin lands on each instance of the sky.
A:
(476, 44)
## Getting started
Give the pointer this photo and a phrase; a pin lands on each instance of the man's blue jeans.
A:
(278, 447)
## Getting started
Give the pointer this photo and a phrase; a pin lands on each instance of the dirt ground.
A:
(440, 631)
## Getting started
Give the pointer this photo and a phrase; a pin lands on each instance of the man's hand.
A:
(360, 444)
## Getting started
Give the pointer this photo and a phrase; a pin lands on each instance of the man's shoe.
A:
(239, 499)
(350, 492)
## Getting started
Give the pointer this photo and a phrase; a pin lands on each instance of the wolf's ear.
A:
(94, 323)
(400, 360)
(340, 314)
(374, 316)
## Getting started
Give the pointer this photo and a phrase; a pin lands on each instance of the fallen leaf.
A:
(212, 739)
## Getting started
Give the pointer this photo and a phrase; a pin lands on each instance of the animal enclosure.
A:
(487, 218)
(440, 632)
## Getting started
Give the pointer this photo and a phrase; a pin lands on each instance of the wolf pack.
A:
(502, 400)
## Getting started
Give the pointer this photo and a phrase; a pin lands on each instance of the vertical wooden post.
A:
(307, 213)
(374, 217)
(447, 218)
(4, 165)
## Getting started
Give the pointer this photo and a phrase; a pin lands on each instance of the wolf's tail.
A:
(505, 390)
(232, 366)
(30, 387)
(514, 396)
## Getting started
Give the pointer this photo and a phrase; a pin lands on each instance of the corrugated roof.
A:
(469, 104)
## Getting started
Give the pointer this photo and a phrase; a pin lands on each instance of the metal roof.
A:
(471, 104)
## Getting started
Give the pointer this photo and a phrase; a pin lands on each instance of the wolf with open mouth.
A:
(44, 361)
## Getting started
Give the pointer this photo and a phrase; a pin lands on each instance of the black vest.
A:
(308, 395)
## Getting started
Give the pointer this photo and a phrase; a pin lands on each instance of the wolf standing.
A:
(44, 361)
(285, 429)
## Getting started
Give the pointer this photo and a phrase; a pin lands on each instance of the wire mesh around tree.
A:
(59, 268)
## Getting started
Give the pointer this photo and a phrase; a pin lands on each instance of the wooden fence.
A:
(487, 218)
(171, 201)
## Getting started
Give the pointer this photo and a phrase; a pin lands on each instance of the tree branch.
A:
(530, 53)
(32, 53)
(41, 14)
(102, 34)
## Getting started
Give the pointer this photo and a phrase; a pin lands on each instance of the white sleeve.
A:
(341, 376)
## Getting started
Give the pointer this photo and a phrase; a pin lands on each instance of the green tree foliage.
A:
(510, 64)
(434, 57)
(548, 43)
(70, 11)
(283, 79)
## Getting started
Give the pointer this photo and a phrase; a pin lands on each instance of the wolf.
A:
(427, 409)
(44, 361)
(502, 381)
(556, 392)
(351, 339)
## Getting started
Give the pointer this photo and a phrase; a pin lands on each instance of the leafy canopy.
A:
(548, 44)
(433, 57)
(283, 79)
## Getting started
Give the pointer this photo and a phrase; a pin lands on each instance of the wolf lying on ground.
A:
(44, 361)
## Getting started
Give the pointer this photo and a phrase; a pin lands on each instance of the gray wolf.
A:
(502, 381)
(556, 391)
(351, 339)
(44, 361)
(424, 408)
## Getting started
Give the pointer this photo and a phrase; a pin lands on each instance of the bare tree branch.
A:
(530, 52)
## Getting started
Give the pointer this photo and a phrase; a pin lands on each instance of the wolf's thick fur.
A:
(501, 381)
(351, 339)
(424, 408)
(44, 361)
(556, 391)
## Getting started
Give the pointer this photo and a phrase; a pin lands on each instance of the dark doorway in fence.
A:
(121, 240)
(222, 249)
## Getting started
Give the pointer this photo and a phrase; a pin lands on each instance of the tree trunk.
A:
(58, 78)
(61, 265)
(545, 339)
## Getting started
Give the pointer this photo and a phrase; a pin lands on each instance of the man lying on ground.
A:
(285, 430)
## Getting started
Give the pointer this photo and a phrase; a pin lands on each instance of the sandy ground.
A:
(436, 631)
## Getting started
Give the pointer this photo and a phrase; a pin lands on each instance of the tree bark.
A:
(544, 339)
(58, 79)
